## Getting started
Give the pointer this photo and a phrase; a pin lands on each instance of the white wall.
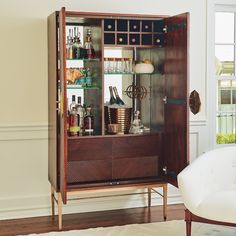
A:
(24, 189)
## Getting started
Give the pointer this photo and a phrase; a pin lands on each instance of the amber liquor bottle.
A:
(74, 123)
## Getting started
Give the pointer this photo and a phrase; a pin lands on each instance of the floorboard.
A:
(90, 220)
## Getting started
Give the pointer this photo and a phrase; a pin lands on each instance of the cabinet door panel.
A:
(139, 167)
(131, 147)
(89, 149)
(176, 144)
(87, 171)
(63, 105)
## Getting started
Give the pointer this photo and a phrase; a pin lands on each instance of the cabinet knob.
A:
(165, 29)
(133, 40)
(109, 26)
(135, 27)
(120, 40)
(158, 40)
(146, 27)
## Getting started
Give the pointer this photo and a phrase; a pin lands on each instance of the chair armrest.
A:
(210, 172)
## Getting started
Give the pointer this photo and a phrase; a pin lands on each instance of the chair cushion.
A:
(220, 206)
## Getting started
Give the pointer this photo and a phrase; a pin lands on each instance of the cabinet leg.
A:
(52, 203)
(59, 211)
(165, 202)
(188, 228)
(149, 197)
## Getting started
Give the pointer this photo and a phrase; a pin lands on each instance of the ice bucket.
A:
(118, 115)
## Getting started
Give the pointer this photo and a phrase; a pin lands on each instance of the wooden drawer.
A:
(138, 146)
(128, 168)
(89, 149)
(88, 171)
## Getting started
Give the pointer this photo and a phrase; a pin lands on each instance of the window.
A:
(224, 74)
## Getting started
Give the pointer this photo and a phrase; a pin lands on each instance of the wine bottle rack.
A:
(141, 33)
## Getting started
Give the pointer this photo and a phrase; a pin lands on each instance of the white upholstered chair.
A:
(208, 188)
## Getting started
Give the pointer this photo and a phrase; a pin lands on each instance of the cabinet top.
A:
(112, 15)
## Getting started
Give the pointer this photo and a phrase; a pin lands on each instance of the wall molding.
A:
(20, 132)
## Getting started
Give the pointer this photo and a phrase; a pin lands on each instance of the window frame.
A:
(212, 79)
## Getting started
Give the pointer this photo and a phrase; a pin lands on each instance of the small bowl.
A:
(143, 68)
(114, 128)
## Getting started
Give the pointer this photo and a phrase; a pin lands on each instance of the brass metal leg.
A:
(59, 211)
(52, 203)
(165, 201)
(149, 197)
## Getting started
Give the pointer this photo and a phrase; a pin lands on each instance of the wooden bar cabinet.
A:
(105, 162)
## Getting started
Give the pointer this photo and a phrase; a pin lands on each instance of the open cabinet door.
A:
(176, 144)
(63, 105)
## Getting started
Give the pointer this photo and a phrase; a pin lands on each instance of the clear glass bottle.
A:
(106, 65)
(118, 65)
(88, 122)
(90, 53)
(130, 65)
(73, 103)
(80, 114)
(69, 46)
(136, 127)
(77, 44)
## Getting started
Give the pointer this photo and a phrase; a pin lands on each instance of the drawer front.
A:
(89, 149)
(140, 167)
(88, 171)
(138, 146)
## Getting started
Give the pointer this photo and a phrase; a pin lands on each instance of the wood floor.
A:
(90, 220)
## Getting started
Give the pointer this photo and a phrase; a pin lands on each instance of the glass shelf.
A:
(132, 73)
(74, 86)
(84, 59)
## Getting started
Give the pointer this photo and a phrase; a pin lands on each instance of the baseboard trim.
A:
(80, 206)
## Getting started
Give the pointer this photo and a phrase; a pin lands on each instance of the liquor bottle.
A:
(80, 113)
(73, 104)
(73, 123)
(88, 122)
(90, 53)
(112, 98)
(77, 44)
(69, 44)
(118, 99)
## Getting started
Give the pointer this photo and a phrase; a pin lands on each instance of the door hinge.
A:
(164, 99)
(165, 170)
